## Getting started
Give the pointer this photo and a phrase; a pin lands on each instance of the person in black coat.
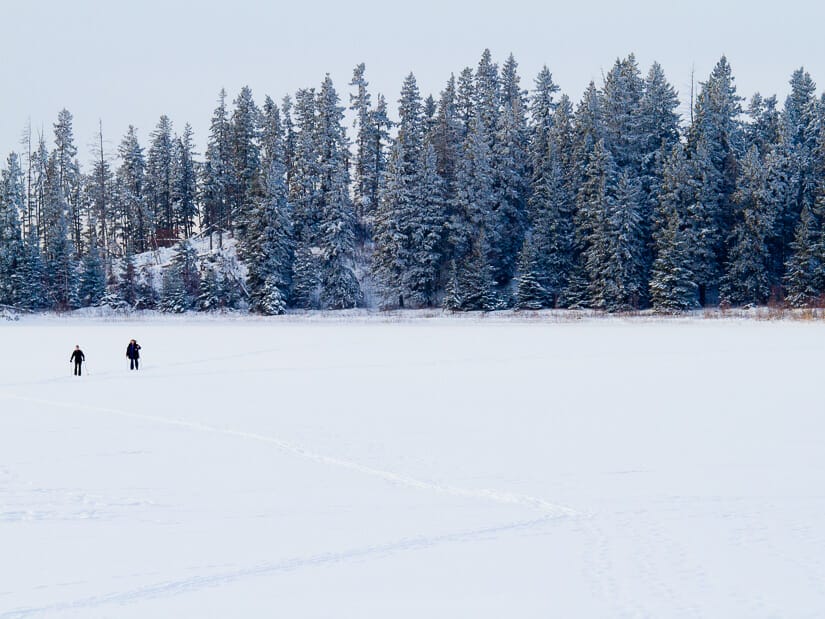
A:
(77, 358)
(133, 354)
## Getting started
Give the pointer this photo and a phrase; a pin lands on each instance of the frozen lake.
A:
(433, 468)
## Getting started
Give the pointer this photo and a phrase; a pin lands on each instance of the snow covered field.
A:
(435, 468)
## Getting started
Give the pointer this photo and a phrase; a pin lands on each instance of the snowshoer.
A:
(77, 358)
(133, 354)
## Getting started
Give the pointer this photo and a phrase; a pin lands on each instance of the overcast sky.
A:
(130, 62)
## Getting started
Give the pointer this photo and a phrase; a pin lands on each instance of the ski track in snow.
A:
(187, 585)
(496, 496)
(551, 512)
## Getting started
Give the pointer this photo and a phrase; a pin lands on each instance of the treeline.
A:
(489, 196)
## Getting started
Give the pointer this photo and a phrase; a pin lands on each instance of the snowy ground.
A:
(436, 468)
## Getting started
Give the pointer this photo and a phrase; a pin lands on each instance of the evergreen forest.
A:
(493, 193)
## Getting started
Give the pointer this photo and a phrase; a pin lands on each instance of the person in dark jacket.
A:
(77, 358)
(133, 354)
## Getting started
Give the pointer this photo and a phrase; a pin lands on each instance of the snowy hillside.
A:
(257, 468)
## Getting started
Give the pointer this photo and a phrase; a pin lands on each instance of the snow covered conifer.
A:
(30, 288)
(245, 186)
(339, 287)
(211, 294)
(530, 293)
(146, 296)
(409, 220)
(130, 183)
(269, 246)
(427, 233)
(474, 198)
(747, 279)
(181, 279)
(272, 301)
(800, 128)
(304, 173)
(805, 277)
(622, 105)
(92, 283)
(306, 280)
(372, 125)
(445, 138)
(391, 259)
(715, 144)
(68, 174)
(12, 193)
(185, 183)
(127, 287)
(542, 108)
(512, 178)
(764, 130)
(471, 286)
(272, 134)
(672, 286)
(174, 298)
(61, 269)
(159, 181)
(217, 173)
(611, 203)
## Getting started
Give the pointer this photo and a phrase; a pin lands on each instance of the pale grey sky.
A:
(130, 62)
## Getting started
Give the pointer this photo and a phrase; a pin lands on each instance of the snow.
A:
(438, 467)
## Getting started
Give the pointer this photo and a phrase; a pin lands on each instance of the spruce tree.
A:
(610, 201)
(12, 195)
(60, 265)
(410, 217)
(67, 169)
(185, 183)
(146, 292)
(245, 184)
(805, 277)
(428, 233)
(92, 282)
(339, 287)
(715, 143)
(542, 108)
(306, 280)
(127, 287)
(391, 257)
(181, 280)
(367, 141)
(269, 247)
(471, 286)
(512, 176)
(159, 182)
(174, 298)
(764, 130)
(444, 135)
(217, 174)
(133, 213)
(304, 175)
(672, 285)
(530, 292)
(210, 291)
(30, 286)
(474, 199)
(622, 107)
(747, 279)
(272, 136)
(103, 221)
